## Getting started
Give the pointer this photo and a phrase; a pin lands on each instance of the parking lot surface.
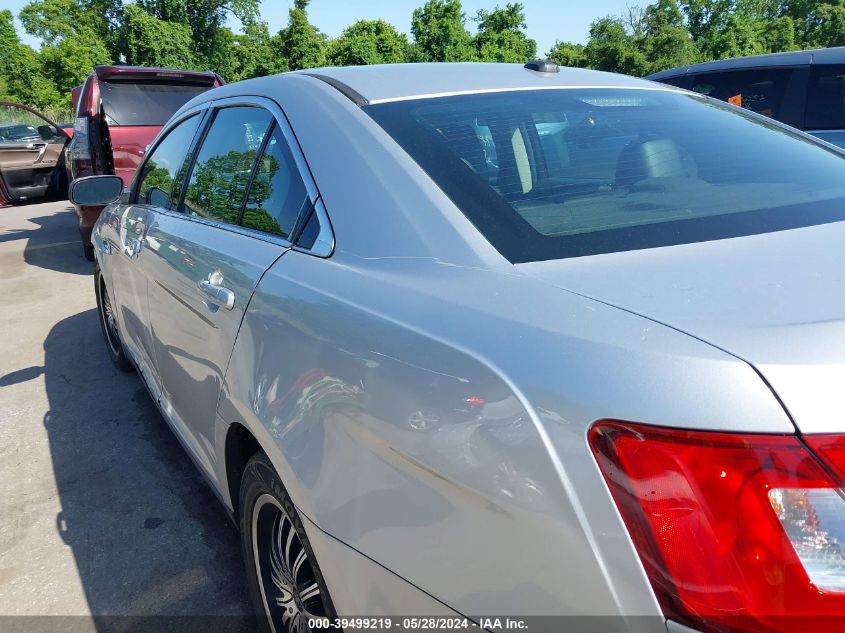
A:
(101, 511)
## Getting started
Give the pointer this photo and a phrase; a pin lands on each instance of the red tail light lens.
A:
(736, 532)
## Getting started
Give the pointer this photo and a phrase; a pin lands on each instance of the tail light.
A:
(81, 146)
(736, 532)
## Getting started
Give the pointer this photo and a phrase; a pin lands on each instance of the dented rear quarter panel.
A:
(488, 508)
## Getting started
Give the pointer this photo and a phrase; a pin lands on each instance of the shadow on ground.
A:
(54, 245)
(148, 535)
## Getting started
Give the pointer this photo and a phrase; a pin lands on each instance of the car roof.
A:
(834, 55)
(395, 82)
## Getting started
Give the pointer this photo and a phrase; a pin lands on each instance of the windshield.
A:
(145, 103)
(549, 174)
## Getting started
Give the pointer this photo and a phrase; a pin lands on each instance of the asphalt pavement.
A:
(101, 512)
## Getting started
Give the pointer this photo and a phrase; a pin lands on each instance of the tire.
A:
(88, 251)
(285, 582)
(108, 324)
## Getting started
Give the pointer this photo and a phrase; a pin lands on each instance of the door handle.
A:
(217, 295)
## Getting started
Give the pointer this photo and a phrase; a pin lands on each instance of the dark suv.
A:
(120, 110)
(805, 89)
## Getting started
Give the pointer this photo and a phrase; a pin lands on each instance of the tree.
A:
(780, 35)
(74, 40)
(21, 71)
(440, 34)
(567, 54)
(149, 41)
(251, 55)
(824, 26)
(613, 49)
(206, 20)
(500, 36)
(368, 42)
(70, 61)
(300, 44)
(663, 37)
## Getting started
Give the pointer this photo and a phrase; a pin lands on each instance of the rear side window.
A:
(584, 171)
(826, 98)
(760, 90)
(160, 181)
(224, 163)
(277, 195)
(144, 103)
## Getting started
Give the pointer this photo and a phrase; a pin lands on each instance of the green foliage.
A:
(250, 53)
(440, 34)
(21, 70)
(150, 41)
(76, 35)
(500, 37)
(613, 49)
(368, 42)
(68, 62)
(300, 44)
(664, 39)
(568, 54)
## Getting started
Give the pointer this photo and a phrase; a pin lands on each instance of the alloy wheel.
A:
(109, 320)
(289, 588)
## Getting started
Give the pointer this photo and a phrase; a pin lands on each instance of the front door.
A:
(31, 153)
(201, 275)
(158, 191)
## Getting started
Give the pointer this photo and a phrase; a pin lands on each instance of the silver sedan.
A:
(478, 340)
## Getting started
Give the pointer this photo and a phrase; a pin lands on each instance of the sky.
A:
(547, 20)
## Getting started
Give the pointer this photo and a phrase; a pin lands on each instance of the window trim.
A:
(324, 245)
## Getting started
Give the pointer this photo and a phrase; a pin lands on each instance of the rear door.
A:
(211, 254)
(31, 153)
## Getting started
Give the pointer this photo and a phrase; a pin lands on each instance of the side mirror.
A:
(95, 191)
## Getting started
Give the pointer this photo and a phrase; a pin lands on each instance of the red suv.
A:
(119, 111)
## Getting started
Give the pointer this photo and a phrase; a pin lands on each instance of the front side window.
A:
(277, 195)
(760, 90)
(577, 172)
(224, 163)
(825, 98)
(161, 177)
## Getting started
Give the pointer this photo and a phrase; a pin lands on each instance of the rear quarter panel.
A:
(354, 376)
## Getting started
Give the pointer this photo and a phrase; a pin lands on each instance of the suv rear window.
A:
(825, 98)
(145, 103)
(759, 90)
(563, 173)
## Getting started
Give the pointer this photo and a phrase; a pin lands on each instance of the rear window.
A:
(825, 98)
(144, 103)
(563, 173)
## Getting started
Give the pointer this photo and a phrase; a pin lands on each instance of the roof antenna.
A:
(542, 66)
